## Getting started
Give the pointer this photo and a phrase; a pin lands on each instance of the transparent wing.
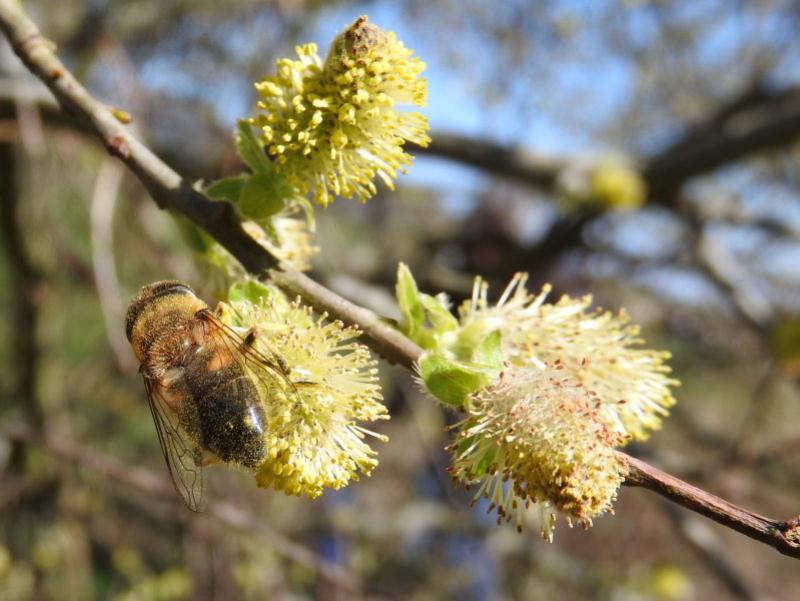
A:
(183, 456)
(265, 365)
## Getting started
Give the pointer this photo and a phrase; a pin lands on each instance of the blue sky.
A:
(589, 72)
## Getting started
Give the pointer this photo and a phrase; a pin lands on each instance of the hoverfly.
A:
(204, 384)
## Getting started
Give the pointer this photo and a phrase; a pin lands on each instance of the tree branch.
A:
(166, 187)
(225, 514)
(783, 535)
(538, 170)
(171, 192)
(101, 221)
(698, 536)
(767, 121)
(382, 338)
(25, 284)
(753, 121)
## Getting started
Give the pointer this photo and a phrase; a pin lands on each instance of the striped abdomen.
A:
(223, 411)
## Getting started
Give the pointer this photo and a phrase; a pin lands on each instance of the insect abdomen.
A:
(230, 420)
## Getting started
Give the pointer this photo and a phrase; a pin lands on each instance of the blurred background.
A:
(642, 151)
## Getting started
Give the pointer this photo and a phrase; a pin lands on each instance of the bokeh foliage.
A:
(618, 76)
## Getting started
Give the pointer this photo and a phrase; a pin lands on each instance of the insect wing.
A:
(266, 366)
(183, 457)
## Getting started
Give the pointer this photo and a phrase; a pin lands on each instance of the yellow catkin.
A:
(534, 437)
(315, 437)
(599, 349)
(333, 127)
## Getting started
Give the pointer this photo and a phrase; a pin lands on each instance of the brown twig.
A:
(534, 169)
(223, 513)
(101, 217)
(382, 338)
(773, 120)
(25, 285)
(698, 536)
(783, 535)
(171, 192)
(699, 151)
(166, 187)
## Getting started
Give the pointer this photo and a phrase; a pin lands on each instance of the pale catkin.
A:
(333, 127)
(601, 350)
(534, 436)
(316, 433)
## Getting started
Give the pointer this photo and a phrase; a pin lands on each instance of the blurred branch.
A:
(758, 407)
(218, 219)
(713, 143)
(101, 217)
(13, 90)
(775, 456)
(726, 271)
(524, 165)
(754, 121)
(734, 211)
(25, 288)
(757, 121)
(699, 537)
(223, 513)
(782, 535)
(714, 122)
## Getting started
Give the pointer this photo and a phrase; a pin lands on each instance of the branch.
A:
(773, 120)
(171, 192)
(25, 286)
(699, 537)
(168, 189)
(225, 514)
(524, 165)
(382, 338)
(760, 121)
(101, 218)
(782, 535)
(713, 123)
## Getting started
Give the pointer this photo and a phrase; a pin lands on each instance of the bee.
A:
(204, 383)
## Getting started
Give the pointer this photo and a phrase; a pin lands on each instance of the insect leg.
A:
(250, 338)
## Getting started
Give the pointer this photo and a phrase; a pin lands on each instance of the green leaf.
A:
(452, 381)
(408, 300)
(438, 313)
(470, 337)
(250, 291)
(308, 209)
(270, 232)
(229, 188)
(490, 353)
(263, 195)
(196, 238)
(250, 149)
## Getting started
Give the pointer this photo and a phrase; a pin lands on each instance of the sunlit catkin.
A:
(534, 437)
(333, 126)
(315, 437)
(601, 350)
